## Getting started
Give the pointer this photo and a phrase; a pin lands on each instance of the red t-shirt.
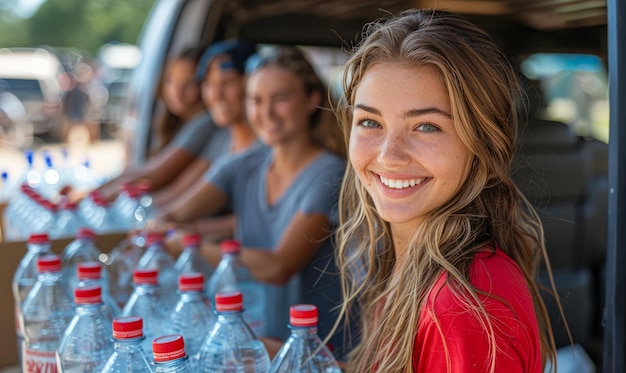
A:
(514, 322)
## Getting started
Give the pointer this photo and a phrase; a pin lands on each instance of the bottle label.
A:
(38, 361)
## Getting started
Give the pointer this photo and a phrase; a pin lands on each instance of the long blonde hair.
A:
(488, 209)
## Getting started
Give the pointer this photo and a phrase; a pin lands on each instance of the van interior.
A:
(560, 168)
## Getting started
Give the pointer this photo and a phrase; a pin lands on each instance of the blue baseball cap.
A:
(238, 52)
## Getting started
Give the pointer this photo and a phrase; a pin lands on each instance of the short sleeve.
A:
(195, 134)
(321, 193)
(223, 173)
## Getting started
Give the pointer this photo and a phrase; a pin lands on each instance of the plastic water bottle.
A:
(120, 264)
(46, 313)
(103, 218)
(147, 301)
(231, 275)
(126, 203)
(191, 260)
(5, 192)
(90, 274)
(157, 257)
(25, 277)
(68, 222)
(43, 218)
(49, 186)
(82, 249)
(231, 345)
(145, 209)
(304, 352)
(128, 355)
(32, 177)
(169, 354)
(192, 316)
(86, 344)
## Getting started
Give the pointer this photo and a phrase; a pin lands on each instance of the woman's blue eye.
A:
(428, 128)
(368, 123)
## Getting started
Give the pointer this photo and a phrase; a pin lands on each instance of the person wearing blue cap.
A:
(182, 129)
(222, 77)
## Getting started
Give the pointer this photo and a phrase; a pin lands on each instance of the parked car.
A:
(563, 173)
(33, 76)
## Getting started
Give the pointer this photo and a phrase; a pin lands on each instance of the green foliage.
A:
(83, 24)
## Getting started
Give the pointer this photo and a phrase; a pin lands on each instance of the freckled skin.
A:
(402, 129)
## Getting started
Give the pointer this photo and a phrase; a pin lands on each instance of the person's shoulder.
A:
(329, 162)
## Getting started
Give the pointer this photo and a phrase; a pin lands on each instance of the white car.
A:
(33, 76)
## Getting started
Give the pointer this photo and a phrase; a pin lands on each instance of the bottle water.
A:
(103, 218)
(46, 313)
(128, 355)
(231, 275)
(90, 274)
(147, 301)
(192, 316)
(145, 209)
(42, 219)
(304, 352)
(49, 186)
(191, 259)
(121, 263)
(86, 344)
(126, 203)
(231, 345)
(156, 257)
(82, 249)
(68, 222)
(25, 277)
(31, 177)
(5, 192)
(169, 354)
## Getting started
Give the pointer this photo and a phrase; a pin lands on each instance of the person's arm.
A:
(160, 169)
(182, 183)
(299, 243)
(203, 199)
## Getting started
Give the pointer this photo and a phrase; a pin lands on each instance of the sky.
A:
(26, 8)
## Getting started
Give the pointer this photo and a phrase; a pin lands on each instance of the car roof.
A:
(524, 26)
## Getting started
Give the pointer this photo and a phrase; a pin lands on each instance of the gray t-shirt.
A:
(217, 145)
(316, 190)
(195, 134)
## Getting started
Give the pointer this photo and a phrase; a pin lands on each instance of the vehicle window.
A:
(24, 88)
(575, 89)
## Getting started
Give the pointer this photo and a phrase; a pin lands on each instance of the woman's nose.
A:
(394, 150)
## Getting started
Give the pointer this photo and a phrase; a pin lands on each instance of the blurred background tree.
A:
(82, 24)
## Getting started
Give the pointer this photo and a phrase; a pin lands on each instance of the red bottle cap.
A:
(127, 327)
(49, 263)
(89, 271)
(191, 240)
(143, 185)
(145, 276)
(230, 247)
(229, 301)
(39, 238)
(303, 315)
(168, 348)
(88, 294)
(191, 282)
(86, 233)
(154, 238)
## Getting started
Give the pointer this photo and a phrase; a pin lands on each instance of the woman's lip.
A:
(403, 191)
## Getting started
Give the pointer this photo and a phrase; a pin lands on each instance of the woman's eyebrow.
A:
(409, 114)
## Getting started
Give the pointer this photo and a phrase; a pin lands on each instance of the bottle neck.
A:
(49, 277)
(229, 316)
(146, 289)
(89, 309)
(129, 345)
(38, 248)
(177, 365)
(191, 296)
(303, 332)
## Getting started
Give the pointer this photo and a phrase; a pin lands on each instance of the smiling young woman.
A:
(437, 246)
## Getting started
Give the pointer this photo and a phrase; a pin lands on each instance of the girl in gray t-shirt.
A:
(284, 195)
